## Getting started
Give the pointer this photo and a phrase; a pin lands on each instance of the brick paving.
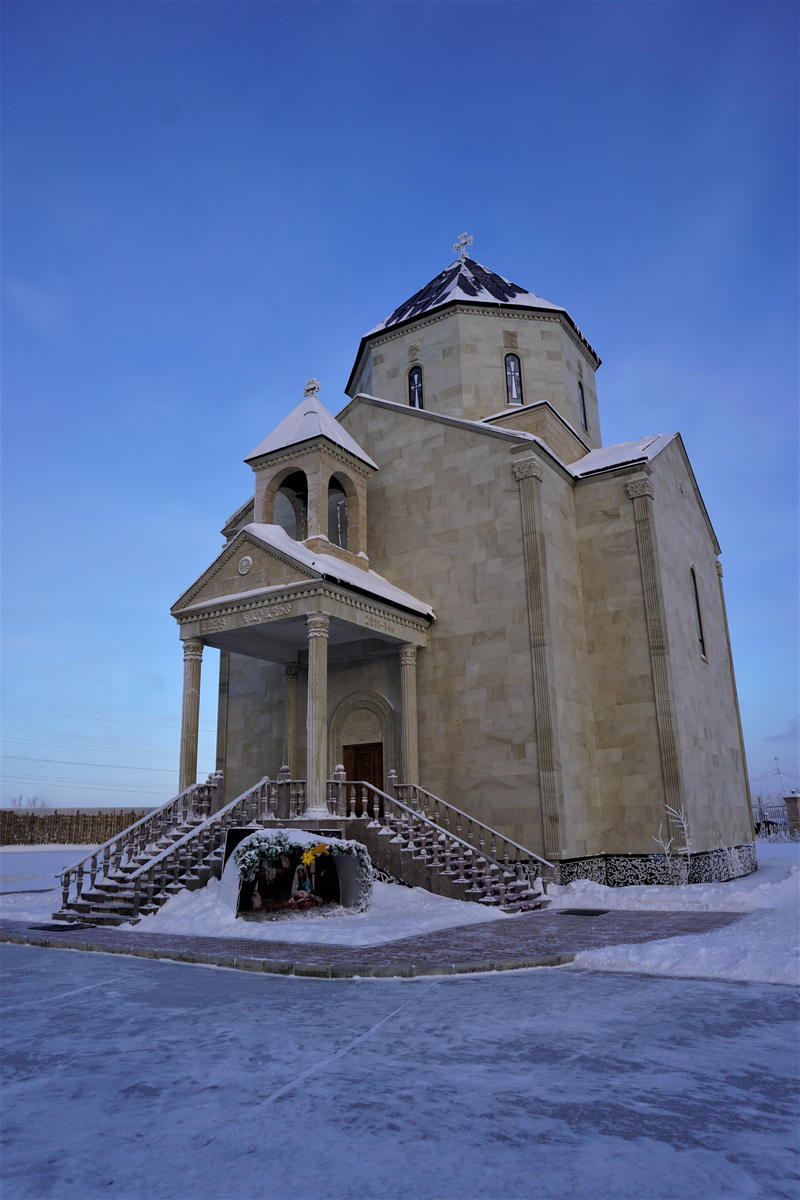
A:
(536, 938)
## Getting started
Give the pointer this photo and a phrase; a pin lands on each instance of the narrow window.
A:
(337, 514)
(415, 387)
(513, 379)
(697, 614)
(583, 406)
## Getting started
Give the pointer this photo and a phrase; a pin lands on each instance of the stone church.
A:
(454, 579)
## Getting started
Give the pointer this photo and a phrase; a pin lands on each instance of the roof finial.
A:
(461, 244)
(311, 388)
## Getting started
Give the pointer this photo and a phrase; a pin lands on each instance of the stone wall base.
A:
(622, 870)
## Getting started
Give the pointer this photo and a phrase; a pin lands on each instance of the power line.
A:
(112, 720)
(89, 785)
(68, 762)
(100, 749)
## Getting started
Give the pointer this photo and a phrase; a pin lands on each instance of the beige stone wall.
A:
(255, 723)
(542, 421)
(444, 522)
(714, 779)
(581, 794)
(619, 672)
(462, 354)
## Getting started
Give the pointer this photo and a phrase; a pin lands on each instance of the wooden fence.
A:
(30, 828)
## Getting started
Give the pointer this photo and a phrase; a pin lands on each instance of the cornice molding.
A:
(301, 591)
(274, 459)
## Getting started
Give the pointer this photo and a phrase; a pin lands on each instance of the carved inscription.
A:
(379, 623)
(267, 614)
(213, 625)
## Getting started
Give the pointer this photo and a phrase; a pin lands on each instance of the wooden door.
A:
(364, 763)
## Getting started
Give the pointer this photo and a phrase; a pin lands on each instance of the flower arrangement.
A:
(272, 844)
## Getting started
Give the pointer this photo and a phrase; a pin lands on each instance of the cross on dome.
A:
(311, 388)
(462, 243)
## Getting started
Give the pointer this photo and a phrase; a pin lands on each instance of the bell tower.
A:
(311, 480)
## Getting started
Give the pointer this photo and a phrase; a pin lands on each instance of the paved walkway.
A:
(128, 1080)
(531, 939)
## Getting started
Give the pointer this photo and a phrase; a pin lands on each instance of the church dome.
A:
(465, 282)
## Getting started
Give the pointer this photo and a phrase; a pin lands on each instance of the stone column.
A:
(291, 676)
(317, 711)
(529, 475)
(408, 693)
(190, 714)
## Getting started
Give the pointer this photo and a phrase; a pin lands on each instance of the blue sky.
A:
(206, 204)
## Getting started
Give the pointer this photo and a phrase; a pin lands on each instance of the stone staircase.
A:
(411, 834)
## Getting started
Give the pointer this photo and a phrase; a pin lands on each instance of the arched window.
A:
(513, 379)
(698, 616)
(583, 406)
(415, 387)
(337, 514)
(291, 506)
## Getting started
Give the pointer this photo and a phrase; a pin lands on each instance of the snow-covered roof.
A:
(465, 280)
(336, 569)
(310, 419)
(621, 455)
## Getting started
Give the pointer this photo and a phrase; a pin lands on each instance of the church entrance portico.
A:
(304, 625)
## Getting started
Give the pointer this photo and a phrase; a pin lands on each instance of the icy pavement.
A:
(130, 1079)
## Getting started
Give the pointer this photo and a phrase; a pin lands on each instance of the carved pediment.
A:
(244, 566)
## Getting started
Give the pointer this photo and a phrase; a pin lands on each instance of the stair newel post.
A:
(340, 790)
(460, 877)
(65, 889)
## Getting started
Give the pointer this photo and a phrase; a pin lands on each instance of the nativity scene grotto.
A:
(463, 643)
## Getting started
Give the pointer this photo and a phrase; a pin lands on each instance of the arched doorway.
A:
(363, 737)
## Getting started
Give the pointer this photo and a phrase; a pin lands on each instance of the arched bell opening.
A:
(338, 514)
(290, 506)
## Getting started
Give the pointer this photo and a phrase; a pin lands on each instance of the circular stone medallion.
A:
(245, 564)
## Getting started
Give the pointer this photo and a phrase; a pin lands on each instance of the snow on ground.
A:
(773, 885)
(35, 866)
(126, 1078)
(763, 947)
(396, 912)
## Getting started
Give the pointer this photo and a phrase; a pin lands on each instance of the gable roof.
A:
(608, 458)
(309, 563)
(310, 419)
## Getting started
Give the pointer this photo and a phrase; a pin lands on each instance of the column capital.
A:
(529, 468)
(318, 624)
(290, 671)
(407, 655)
(192, 650)
(642, 487)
